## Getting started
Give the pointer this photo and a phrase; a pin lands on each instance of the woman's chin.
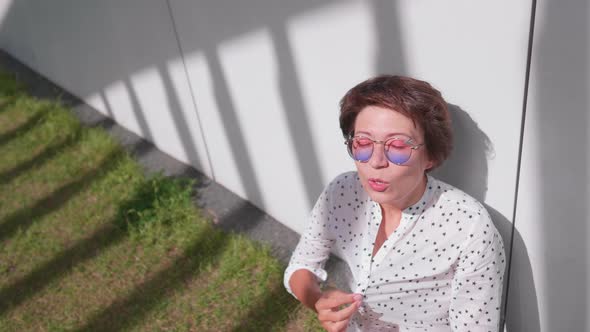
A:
(381, 197)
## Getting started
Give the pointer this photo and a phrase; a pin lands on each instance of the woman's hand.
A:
(335, 308)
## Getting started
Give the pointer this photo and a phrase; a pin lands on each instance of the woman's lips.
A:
(378, 184)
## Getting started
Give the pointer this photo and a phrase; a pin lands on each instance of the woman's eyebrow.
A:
(386, 136)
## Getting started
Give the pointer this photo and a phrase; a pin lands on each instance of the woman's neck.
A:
(395, 208)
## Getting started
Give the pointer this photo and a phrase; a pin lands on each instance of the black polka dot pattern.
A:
(440, 270)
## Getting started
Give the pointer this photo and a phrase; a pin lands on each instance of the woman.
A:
(424, 255)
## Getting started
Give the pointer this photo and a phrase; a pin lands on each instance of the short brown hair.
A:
(416, 99)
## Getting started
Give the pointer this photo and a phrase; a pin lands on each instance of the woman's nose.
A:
(378, 159)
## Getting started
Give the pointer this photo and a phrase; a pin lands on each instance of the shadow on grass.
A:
(31, 123)
(18, 292)
(271, 313)
(25, 217)
(273, 310)
(208, 248)
(7, 100)
(127, 312)
(47, 154)
(84, 250)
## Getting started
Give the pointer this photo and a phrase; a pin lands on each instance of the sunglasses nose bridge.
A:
(378, 155)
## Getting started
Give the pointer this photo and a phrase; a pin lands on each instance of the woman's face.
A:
(387, 183)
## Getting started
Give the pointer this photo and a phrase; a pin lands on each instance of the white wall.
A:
(120, 57)
(249, 91)
(552, 221)
(274, 73)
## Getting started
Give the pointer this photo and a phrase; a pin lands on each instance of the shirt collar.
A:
(418, 207)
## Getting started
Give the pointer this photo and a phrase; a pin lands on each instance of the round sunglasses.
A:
(397, 149)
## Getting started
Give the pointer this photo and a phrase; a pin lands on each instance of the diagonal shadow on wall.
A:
(203, 31)
(183, 127)
(295, 112)
(234, 132)
(144, 126)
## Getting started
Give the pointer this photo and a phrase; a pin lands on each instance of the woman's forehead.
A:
(384, 122)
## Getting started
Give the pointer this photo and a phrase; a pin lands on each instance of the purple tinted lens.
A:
(363, 153)
(398, 156)
(397, 151)
(361, 149)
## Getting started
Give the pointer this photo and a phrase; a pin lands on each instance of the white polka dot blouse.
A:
(440, 270)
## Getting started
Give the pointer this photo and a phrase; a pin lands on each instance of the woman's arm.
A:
(306, 270)
(477, 284)
(305, 287)
(334, 307)
(312, 252)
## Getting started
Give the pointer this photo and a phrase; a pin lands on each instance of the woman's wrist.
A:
(305, 287)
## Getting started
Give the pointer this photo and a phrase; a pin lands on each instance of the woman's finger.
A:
(336, 299)
(338, 315)
(345, 313)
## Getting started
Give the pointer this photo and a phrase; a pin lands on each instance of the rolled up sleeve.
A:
(313, 249)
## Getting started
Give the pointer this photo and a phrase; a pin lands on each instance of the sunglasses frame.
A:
(408, 142)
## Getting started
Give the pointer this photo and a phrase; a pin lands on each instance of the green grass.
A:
(90, 243)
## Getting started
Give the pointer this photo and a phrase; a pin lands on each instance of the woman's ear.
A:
(429, 165)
